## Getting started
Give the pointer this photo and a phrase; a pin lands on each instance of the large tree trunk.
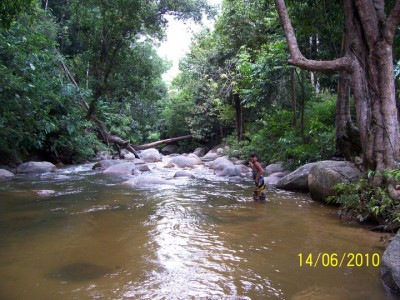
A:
(347, 135)
(369, 62)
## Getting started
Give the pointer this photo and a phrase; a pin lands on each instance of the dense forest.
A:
(79, 77)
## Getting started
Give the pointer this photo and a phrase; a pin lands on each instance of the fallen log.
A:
(160, 142)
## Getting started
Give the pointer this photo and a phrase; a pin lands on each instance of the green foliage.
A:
(319, 141)
(275, 139)
(109, 49)
(11, 9)
(366, 203)
(39, 111)
(28, 84)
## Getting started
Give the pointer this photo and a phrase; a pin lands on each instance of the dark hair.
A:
(253, 154)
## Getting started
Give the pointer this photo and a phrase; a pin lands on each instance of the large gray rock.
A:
(219, 163)
(199, 152)
(106, 163)
(324, 175)
(125, 168)
(274, 168)
(151, 155)
(234, 170)
(195, 158)
(210, 156)
(222, 166)
(146, 181)
(37, 167)
(169, 149)
(273, 179)
(184, 161)
(297, 180)
(390, 265)
(5, 174)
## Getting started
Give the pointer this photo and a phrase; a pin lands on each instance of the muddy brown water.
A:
(201, 238)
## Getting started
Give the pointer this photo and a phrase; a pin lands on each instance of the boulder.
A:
(126, 154)
(142, 167)
(297, 180)
(219, 163)
(234, 170)
(183, 161)
(324, 175)
(210, 156)
(36, 167)
(221, 150)
(139, 161)
(222, 166)
(129, 156)
(151, 155)
(184, 173)
(125, 168)
(274, 168)
(106, 163)
(390, 265)
(146, 181)
(196, 158)
(169, 149)
(199, 152)
(5, 174)
(278, 174)
(271, 180)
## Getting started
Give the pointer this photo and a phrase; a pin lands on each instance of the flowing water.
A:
(93, 238)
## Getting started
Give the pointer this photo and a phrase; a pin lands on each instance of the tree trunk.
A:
(166, 141)
(372, 83)
(347, 135)
(369, 62)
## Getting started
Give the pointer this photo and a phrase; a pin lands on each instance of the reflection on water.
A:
(93, 238)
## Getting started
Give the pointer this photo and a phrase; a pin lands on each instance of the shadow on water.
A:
(79, 272)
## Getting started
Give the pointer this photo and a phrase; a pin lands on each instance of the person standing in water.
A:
(260, 192)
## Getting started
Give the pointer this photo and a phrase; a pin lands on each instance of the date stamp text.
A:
(336, 260)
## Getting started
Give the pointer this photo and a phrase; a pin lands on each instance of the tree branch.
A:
(297, 58)
(166, 141)
(369, 20)
(392, 22)
(71, 79)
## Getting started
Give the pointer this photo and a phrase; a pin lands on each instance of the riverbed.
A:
(202, 237)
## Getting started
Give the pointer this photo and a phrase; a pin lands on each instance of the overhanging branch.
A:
(297, 58)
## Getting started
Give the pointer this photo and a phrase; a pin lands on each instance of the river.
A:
(204, 237)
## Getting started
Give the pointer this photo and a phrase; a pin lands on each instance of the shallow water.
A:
(202, 238)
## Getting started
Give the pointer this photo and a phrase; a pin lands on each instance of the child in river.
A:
(260, 192)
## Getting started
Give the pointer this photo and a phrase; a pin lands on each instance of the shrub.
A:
(366, 203)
